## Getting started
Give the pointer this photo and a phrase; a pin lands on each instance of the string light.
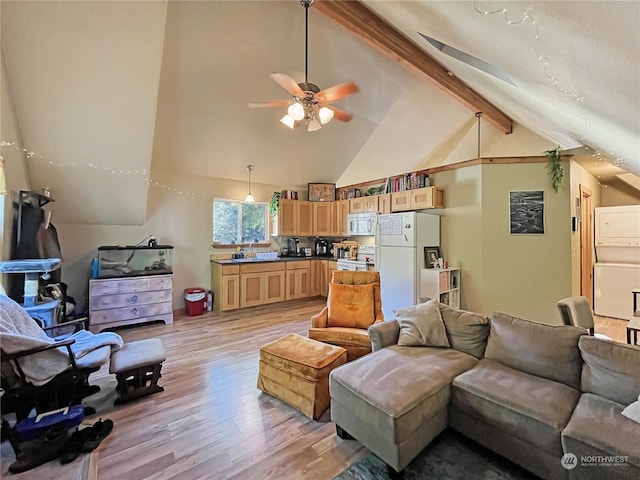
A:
(558, 84)
(90, 165)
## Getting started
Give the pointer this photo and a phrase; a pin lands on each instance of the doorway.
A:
(586, 244)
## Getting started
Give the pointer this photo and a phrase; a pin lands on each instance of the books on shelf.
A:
(409, 181)
(289, 195)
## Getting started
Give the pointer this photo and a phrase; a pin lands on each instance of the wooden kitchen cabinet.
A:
(295, 218)
(225, 285)
(261, 283)
(298, 280)
(319, 278)
(363, 204)
(322, 218)
(384, 203)
(341, 210)
(417, 199)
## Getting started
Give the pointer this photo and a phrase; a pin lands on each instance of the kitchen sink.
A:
(254, 260)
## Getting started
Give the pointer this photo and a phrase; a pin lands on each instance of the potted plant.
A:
(273, 204)
(554, 165)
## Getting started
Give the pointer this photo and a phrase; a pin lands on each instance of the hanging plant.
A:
(556, 170)
(274, 203)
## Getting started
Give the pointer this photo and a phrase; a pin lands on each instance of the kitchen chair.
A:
(353, 304)
(576, 311)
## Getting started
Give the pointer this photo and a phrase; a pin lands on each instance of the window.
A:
(239, 222)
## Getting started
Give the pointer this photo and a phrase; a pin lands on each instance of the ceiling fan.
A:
(309, 105)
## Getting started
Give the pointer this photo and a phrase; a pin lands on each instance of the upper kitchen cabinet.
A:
(363, 204)
(295, 218)
(339, 218)
(322, 218)
(417, 199)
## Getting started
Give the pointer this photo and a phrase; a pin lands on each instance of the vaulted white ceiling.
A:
(124, 87)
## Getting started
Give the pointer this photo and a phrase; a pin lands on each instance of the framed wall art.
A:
(526, 212)
(322, 192)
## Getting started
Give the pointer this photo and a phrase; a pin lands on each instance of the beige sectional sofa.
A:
(527, 391)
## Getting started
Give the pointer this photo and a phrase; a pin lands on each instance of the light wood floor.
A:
(212, 423)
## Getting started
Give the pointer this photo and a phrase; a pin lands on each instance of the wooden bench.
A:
(137, 367)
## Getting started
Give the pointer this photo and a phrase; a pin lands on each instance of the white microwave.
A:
(362, 223)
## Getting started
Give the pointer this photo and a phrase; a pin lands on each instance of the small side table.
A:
(633, 327)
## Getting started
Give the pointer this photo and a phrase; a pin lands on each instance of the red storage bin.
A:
(195, 301)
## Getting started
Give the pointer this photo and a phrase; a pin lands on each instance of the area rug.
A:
(450, 456)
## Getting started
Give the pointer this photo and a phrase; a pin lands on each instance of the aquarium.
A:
(133, 261)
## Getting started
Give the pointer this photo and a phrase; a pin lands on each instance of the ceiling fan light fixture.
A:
(313, 125)
(288, 121)
(296, 111)
(325, 114)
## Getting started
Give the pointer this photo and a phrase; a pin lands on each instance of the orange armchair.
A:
(353, 304)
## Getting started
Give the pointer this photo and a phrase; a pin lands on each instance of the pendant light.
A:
(249, 197)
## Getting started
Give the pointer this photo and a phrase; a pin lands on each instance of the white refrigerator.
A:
(400, 242)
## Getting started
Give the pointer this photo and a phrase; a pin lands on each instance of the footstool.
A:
(296, 370)
(137, 367)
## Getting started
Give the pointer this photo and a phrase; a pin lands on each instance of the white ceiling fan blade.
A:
(336, 92)
(288, 83)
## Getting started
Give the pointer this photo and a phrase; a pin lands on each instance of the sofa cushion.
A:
(350, 305)
(529, 407)
(598, 428)
(466, 331)
(396, 389)
(610, 369)
(421, 326)
(543, 350)
(343, 336)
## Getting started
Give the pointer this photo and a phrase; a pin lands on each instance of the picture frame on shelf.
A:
(322, 192)
(431, 256)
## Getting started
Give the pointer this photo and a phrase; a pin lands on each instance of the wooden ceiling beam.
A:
(374, 30)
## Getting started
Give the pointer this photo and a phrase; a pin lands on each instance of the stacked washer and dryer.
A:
(617, 269)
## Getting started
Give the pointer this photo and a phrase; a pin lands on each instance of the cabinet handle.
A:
(134, 299)
(134, 312)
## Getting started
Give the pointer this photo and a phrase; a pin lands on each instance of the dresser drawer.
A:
(130, 313)
(112, 287)
(129, 299)
(161, 283)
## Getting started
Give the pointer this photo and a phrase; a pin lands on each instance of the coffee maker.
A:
(322, 247)
(292, 246)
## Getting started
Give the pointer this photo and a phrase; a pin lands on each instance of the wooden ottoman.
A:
(296, 369)
(137, 367)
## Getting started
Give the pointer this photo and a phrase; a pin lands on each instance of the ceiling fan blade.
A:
(269, 103)
(336, 92)
(288, 83)
(339, 114)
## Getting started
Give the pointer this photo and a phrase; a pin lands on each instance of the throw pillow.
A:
(633, 411)
(421, 326)
(350, 305)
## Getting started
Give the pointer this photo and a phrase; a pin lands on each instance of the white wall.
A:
(16, 173)
(183, 220)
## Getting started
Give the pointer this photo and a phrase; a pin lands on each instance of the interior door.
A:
(586, 244)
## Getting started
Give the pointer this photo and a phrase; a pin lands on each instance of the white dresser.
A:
(126, 301)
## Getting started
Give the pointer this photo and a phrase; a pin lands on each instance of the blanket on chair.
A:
(19, 332)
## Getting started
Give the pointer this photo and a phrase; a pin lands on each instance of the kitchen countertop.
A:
(229, 261)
